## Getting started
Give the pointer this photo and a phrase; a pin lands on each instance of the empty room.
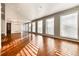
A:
(39, 29)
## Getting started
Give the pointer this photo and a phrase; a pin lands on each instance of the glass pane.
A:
(33, 27)
(25, 27)
(50, 26)
(29, 27)
(24, 30)
(69, 26)
(39, 25)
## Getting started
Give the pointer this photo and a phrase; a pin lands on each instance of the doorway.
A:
(8, 28)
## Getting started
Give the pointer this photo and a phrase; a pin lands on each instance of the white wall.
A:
(13, 17)
(16, 28)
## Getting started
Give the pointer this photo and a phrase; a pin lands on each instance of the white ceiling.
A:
(30, 11)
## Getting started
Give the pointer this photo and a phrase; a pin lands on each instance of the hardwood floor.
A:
(29, 50)
(7, 39)
(37, 45)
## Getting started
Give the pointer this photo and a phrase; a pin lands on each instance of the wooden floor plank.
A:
(22, 53)
(33, 50)
(18, 54)
(33, 47)
(26, 52)
(30, 51)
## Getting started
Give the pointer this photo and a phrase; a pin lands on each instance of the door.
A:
(8, 28)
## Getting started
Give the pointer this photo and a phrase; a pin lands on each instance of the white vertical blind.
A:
(50, 26)
(39, 25)
(69, 26)
(29, 27)
(33, 27)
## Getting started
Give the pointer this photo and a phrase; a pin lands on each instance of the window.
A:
(33, 27)
(29, 27)
(39, 25)
(69, 26)
(25, 27)
(50, 26)
(24, 30)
